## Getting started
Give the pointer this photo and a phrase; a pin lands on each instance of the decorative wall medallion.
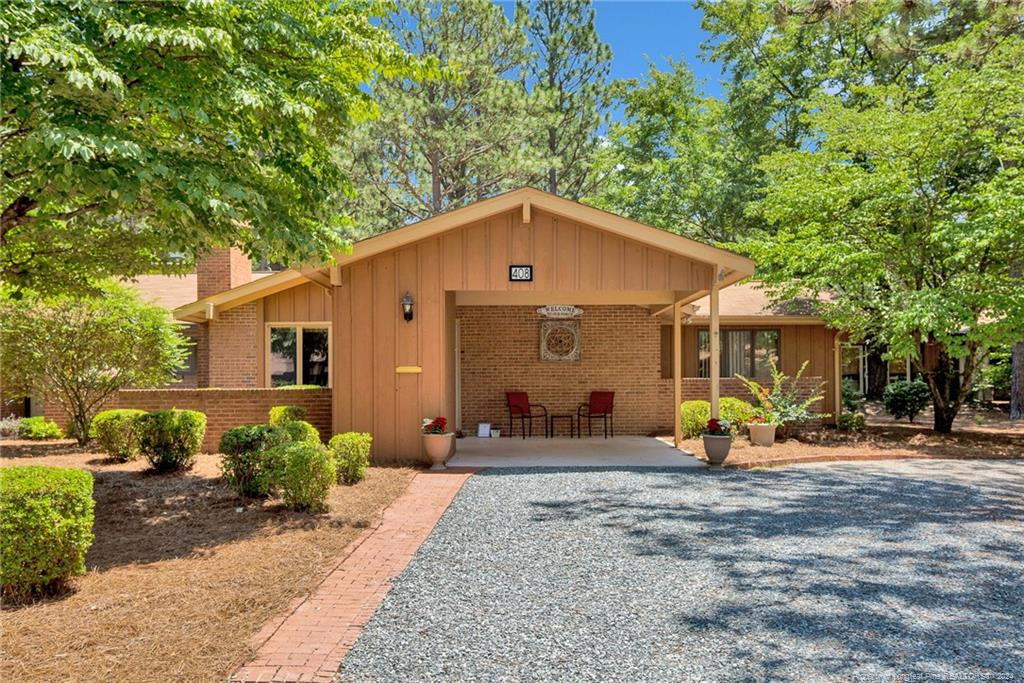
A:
(560, 340)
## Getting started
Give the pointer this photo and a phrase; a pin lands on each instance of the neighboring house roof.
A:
(172, 291)
(733, 267)
(748, 301)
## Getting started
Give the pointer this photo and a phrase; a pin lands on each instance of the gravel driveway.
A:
(850, 571)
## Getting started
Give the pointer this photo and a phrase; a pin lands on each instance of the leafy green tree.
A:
(134, 130)
(675, 162)
(909, 207)
(570, 66)
(79, 351)
(441, 143)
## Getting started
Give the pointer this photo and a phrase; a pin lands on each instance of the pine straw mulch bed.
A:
(180, 577)
(889, 442)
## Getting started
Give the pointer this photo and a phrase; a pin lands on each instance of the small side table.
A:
(566, 416)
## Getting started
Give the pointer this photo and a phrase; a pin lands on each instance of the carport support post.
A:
(677, 369)
(714, 346)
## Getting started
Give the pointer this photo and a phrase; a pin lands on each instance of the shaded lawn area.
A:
(180, 577)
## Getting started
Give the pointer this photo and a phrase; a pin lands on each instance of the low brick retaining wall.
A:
(224, 408)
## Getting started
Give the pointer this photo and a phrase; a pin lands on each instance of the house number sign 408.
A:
(520, 273)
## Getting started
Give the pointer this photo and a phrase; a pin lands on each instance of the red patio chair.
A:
(518, 403)
(601, 405)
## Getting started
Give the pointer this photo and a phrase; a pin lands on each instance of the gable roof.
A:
(732, 266)
(749, 302)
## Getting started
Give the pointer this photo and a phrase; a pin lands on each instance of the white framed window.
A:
(298, 353)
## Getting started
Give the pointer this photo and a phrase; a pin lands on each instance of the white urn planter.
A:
(717, 448)
(761, 434)
(439, 448)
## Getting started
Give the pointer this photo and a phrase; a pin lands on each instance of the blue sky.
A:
(639, 31)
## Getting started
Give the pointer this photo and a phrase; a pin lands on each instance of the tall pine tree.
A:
(444, 143)
(570, 68)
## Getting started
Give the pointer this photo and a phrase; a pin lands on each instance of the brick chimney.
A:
(221, 269)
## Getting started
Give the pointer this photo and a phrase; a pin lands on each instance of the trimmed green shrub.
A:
(117, 433)
(248, 466)
(309, 472)
(38, 428)
(906, 399)
(300, 430)
(695, 414)
(851, 396)
(46, 516)
(851, 422)
(279, 415)
(170, 439)
(351, 453)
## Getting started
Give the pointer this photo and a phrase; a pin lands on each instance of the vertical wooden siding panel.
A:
(521, 245)
(385, 318)
(341, 373)
(566, 255)
(476, 256)
(543, 231)
(431, 332)
(633, 276)
(451, 250)
(611, 261)
(589, 259)
(498, 231)
(679, 274)
(657, 269)
(407, 400)
(362, 387)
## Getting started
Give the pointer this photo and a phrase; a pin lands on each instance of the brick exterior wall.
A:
(621, 352)
(233, 348)
(220, 270)
(224, 408)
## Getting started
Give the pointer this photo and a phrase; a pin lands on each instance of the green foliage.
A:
(906, 399)
(569, 69)
(135, 129)
(79, 351)
(282, 414)
(46, 516)
(38, 428)
(779, 404)
(170, 439)
(251, 464)
(695, 414)
(300, 431)
(998, 374)
(851, 422)
(909, 202)
(851, 396)
(117, 433)
(441, 143)
(309, 472)
(351, 453)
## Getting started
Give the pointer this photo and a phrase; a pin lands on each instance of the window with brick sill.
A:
(298, 354)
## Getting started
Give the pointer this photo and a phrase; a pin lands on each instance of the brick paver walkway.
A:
(308, 641)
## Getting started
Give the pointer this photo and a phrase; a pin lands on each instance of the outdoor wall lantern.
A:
(407, 307)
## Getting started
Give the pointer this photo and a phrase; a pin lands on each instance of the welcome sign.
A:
(560, 311)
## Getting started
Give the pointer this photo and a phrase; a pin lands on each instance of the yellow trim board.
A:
(408, 370)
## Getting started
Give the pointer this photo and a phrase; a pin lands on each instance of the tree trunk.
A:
(1017, 382)
(878, 374)
(944, 380)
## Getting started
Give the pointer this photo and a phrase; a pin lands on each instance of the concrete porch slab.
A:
(622, 451)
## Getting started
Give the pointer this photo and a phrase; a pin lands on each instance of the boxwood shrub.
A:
(695, 414)
(906, 399)
(116, 431)
(300, 430)
(170, 439)
(351, 453)
(39, 428)
(46, 516)
(282, 414)
(308, 474)
(248, 465)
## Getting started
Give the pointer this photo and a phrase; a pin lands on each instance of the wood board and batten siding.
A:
(373, 340)
(813, 343)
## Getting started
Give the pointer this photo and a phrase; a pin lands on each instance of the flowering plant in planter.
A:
(718, 427)
(780, 403)
(436, 425)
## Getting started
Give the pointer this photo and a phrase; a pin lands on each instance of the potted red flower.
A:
(438, 443)
(717, 440)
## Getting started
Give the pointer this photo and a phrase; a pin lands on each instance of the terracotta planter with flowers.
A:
(438, 444)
